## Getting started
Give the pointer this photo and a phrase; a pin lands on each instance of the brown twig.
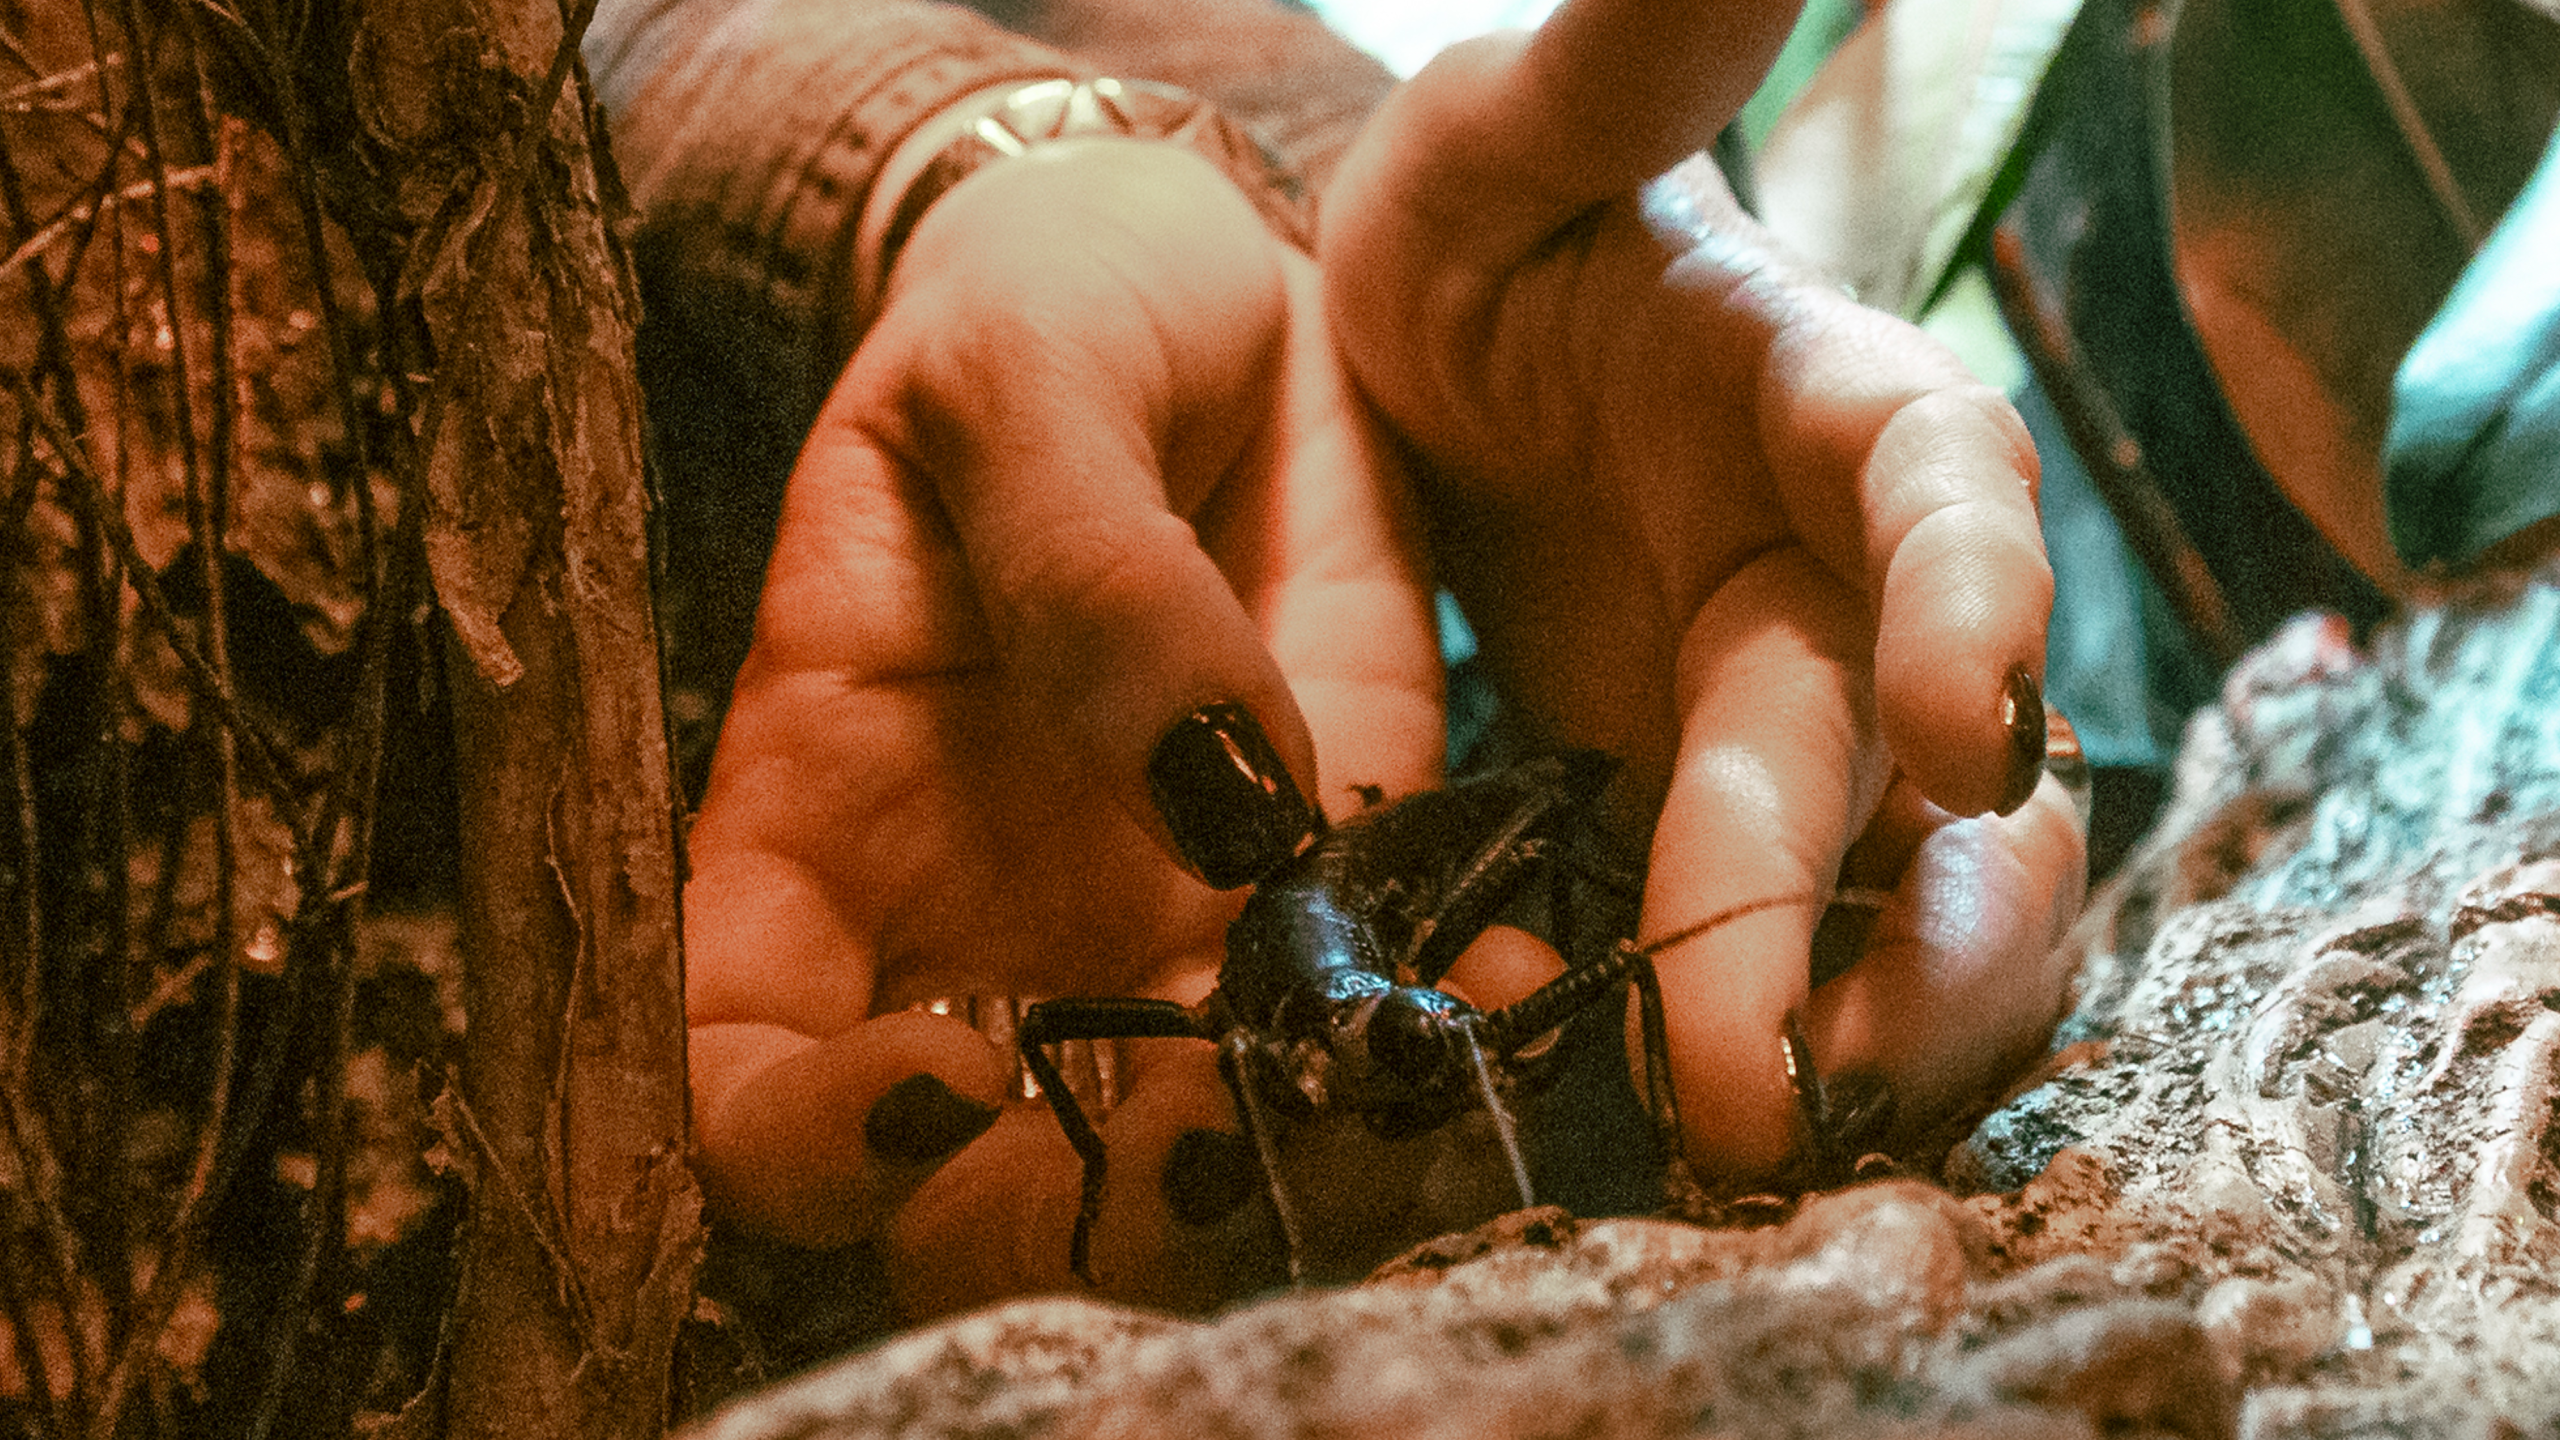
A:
(267, 761)
(87, 212)
(331, 948)
(384, 571)
(2411, 124)
(2113, 457)
(30, 1140)
(207, 523)
(24, 1344)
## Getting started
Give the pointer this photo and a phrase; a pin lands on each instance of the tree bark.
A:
(569, 1121)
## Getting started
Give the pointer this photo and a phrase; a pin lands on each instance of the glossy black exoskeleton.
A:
(1326, 998)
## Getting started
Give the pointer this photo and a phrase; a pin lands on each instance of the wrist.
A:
(1013, 118)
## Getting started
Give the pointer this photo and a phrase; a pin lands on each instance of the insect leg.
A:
(1507, 1030)
(1661, 1096)
(1559, 1000)
(1235, 1058)
(1520, 817)
(1052, 1021)
(1484, 886)
(1840, 1115)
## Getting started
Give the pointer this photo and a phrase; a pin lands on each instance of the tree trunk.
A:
(569, 1121)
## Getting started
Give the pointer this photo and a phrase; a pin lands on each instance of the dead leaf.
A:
(2308, 241)
(1878, 168)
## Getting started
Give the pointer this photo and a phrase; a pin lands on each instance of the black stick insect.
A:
(1326, 997)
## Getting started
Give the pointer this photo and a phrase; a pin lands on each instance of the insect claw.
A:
(1235, 1055)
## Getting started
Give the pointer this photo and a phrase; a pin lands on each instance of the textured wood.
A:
(570, 1119)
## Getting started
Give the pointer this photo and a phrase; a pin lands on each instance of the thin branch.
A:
(82, 214)
(207, 520)
(17, 1046)
(383, 589)
(10, 47)
(41, 1177)
(324, 1234)
(105, 1183)
(23, 1121)
(2412, 125)
(23, 97)
(14, 1303)
(2113, 456)
(268, 763)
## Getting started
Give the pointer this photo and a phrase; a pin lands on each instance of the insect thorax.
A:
(1294, 954)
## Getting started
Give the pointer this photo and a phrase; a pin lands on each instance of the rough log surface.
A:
(2291, 1171)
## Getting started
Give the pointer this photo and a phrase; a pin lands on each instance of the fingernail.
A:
(1234, 812)
(1862, 1109)
(2066, 762)
(2022, 716)
(1813, 1107)
(922, 1119)
(1208, 1175)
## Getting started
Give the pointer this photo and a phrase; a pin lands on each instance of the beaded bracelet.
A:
(1016, 117)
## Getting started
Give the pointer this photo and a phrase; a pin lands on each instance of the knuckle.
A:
(1095, 574)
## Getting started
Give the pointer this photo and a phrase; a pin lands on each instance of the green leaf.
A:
(1819, 31)
(2474, 451)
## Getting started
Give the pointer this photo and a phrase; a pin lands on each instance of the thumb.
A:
(1074, 391)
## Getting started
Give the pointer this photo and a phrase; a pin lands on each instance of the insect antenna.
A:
(1726, 916)
(1513, 1026)
(1503, 1124)
(1235, 1055)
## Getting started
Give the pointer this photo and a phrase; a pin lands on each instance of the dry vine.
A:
(247, 271)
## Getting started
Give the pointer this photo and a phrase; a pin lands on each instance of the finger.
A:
(1943, 533)
(1072, 403)
(1964, 974)
(1179, 1227)
(817, 1142)
(1189, 1218)
(1903, 473)
(1779, 766)
(1501, 966)
(1327, 557)
(1501, 141)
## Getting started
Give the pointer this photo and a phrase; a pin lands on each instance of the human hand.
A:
(1776, 550)
(1093, 467)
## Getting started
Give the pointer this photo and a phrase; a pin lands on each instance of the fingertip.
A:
(1184, 1226)
(991, 1224)
(1780, 767)
(1178, 1228)
(921, 1120)
(1965, 973)
(1960, 661)
(815, 1142)
(1220, 792)
(1727, 1002)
